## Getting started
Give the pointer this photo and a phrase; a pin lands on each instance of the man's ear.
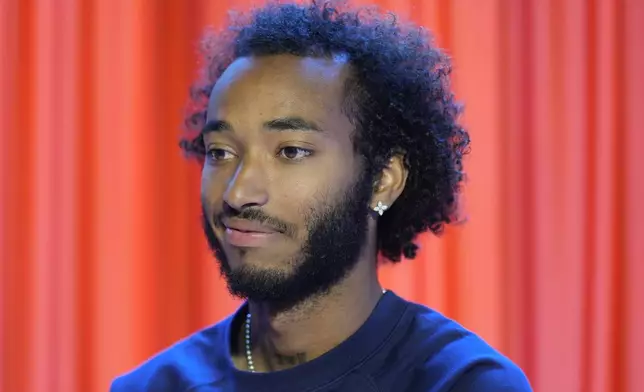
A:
(390, 184)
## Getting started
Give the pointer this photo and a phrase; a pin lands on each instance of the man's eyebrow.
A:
(216, 126)
(292, 124)
(278, 124)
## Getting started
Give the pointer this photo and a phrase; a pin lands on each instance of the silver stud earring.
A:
(381, 208)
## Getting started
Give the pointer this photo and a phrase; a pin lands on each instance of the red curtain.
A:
(102, 257)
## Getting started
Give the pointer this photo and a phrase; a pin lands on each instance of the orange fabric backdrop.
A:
(102, 257)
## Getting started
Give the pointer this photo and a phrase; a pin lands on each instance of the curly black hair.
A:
(398, 97)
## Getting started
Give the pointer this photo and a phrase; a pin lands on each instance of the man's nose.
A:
(247, 187)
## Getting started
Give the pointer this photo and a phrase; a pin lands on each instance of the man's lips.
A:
(247, 234)
(249, 226)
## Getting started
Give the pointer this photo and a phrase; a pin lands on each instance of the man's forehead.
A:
(305, 65)
(283, 81)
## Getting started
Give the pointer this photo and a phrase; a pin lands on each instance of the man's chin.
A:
(254, 270)
(256, 262)
(259, 284)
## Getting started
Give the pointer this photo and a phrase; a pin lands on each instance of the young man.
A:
(327, 136)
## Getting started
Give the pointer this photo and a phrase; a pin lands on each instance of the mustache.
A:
(254, 215)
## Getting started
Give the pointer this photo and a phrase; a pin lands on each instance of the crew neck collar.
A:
(330, 366)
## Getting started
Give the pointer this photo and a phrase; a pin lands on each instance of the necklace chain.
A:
(249, 353)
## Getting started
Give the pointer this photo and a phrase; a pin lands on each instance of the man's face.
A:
(284, 198)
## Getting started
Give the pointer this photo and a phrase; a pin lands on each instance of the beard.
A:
(337, 232)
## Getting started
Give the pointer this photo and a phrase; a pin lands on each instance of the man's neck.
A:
(288, 338)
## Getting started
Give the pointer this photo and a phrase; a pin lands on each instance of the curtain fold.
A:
(102, 259)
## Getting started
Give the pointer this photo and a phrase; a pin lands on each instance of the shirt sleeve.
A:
(490, 378)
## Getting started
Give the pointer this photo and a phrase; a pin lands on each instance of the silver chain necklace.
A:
(249, 354)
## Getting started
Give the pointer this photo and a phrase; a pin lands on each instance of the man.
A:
(327, 136)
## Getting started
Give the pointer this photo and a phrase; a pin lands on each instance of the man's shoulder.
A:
(458, 360)
(493, 376)
(186, 363)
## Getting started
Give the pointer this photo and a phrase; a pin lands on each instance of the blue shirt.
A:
(402, 347)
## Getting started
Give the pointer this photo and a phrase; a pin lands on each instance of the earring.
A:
(380, 208)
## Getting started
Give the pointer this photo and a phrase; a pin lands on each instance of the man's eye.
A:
(294, 153)
(218, 155)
